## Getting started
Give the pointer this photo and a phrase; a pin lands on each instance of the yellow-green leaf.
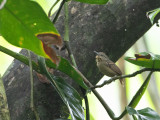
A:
(20, 23)
(144, 59)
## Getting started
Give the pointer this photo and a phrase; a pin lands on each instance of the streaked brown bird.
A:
(106, 66)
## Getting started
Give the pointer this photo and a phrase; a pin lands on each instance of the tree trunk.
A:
(111, 28)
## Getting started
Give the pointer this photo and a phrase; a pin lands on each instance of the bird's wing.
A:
(114, 67)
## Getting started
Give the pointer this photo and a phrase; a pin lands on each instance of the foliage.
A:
(25, 24)
(144, 114)
(73, 101)
(145, 59)
(152, 14)
(29, 21)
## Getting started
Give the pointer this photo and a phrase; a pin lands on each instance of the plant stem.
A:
(20, 57)
(101, 100)
(49, 13)
(31, 79)
(58, 12)
(32, 85)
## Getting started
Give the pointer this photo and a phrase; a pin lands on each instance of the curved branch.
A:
(124, 76)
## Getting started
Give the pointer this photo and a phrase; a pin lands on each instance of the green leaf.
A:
(72, 97)
(21, 21)
(144, 114)
(93, 1)
(68, 94)
(130, 110)
(145, 59)
(68, 69)
(134, 117)
(152, 14)
(149, 114)
(135, 100)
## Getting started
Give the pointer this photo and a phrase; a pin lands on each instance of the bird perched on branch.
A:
(106, 66)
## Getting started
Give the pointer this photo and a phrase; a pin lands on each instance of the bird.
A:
(106, 66)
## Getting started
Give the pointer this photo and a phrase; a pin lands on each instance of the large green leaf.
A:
(144, 114)
(72, 97)
(93, 1)
(68, 69)
(152, 14)
(68, 94)
(21, 21)
(145, 59)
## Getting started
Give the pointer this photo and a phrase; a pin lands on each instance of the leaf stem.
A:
(32, 87)
(58, 12)
(20, 57)
(31, 79)
(49, 13)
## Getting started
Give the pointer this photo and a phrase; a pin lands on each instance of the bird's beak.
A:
(96, 52)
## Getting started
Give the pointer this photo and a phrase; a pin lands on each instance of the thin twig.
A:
(49, 13)
(32, 85)
(58, 12)
(31, 79)
(124, 76)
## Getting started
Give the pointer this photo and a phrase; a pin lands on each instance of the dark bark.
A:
(17, 83)
(111, 28)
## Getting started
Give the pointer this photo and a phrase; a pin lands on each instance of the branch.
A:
(49, 13)
(58, 12)
(124, 76)
(20, 57)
